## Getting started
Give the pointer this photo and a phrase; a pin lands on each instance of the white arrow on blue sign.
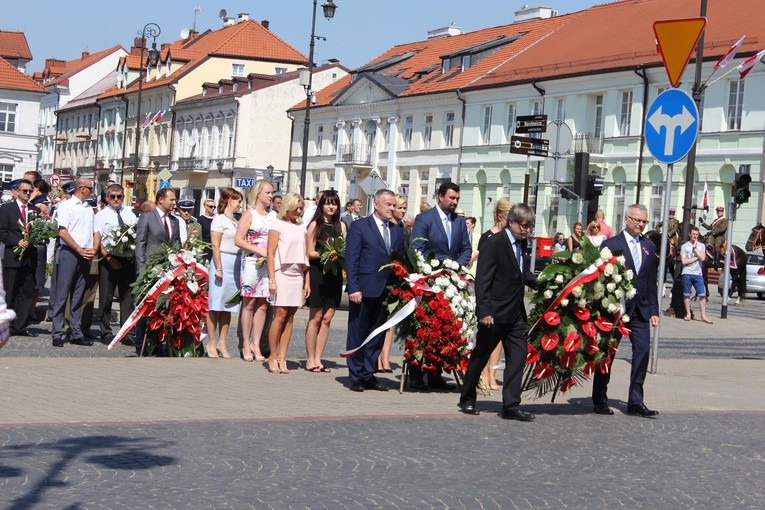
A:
(672, 124)
(164, 184)
(245, 182)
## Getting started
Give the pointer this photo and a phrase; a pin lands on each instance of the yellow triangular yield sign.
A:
(677, 38)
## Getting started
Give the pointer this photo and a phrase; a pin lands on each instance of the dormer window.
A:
(237, 69)
(465, 58)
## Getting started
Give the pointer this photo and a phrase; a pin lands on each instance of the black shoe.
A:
(375, 386)
(415, 385)
(359, 387)
(23, 332)
(603, 409)
(468, 408)
(81, 341)
(438, 383)
(641, 410)
(58, 343)
(516, 414)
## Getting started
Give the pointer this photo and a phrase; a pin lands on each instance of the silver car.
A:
(755, 274)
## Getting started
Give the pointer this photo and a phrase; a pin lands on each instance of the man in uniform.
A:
(717, 231)
(193, 227)
(674, 227)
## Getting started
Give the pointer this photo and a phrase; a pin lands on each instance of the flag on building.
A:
(705, 202)
(158, 116)
(147, 119)
(747, 65)
(730, 55)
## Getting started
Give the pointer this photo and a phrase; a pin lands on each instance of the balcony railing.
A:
(355, 154)
(588, 142)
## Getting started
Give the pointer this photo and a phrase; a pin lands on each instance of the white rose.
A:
(621, 260)
(612, 308)
(461, 284)
(442, 281)
(617, 278)
(564, 302)
(619, 293)
(435, 262)
(629, 274)
(605, 254)
(605, 302)
(582, 303)
(425, 268)
(611, 287)
(559, 278)
(598, 287)
(631, 293)
(449, 292)
(608, 270)
(577, 291)
(436, 289)
(625, 318)
(548, 294)
(577, 258)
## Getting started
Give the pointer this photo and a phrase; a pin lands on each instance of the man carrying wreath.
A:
(500, 281)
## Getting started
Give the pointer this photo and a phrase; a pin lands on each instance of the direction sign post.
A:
(529, 146)
(672, 123)
(531, 124)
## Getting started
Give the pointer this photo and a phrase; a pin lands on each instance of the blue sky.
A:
(361, 29)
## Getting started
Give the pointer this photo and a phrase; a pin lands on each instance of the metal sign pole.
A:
(662, 265)
(728, 247)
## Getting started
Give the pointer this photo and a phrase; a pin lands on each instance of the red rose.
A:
(549, 341)
(532, 355)
(581, 313)
(543, 371)
(604, 324)
(567, 359)
(552, 318)
(572, 342)
(589, 329)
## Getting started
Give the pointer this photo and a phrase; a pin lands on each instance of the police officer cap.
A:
(720, 208)
(92, 202)
(671, 210)
(68, 188)
(186, 203)
(15, 183)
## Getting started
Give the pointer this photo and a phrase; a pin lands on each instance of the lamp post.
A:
(152, 30)
(306, 79)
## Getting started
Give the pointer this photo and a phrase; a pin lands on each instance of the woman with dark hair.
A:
(326, 287)
(222, 284)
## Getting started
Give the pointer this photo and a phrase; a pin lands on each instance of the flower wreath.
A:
(578, 310)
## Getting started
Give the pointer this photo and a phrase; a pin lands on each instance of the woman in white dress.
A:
(222, 282)
(594, 234)
(252, 239)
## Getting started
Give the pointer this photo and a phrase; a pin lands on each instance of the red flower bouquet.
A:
(578, 310)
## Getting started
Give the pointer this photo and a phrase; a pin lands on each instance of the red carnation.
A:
(567, 359)
(581, 313)
(532, 355)
(549, 341)
(604, 324)
(572, 342)
(552, 318)
(543, 370)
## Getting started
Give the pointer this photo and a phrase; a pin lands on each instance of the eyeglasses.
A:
(210, 206)
(25, 191)
(117, 197)
(526, 226)
(639, 222)
(89, 188)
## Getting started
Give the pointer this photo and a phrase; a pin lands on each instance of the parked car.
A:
(755, 274)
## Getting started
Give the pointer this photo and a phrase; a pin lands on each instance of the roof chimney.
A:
(451, 30)
(265, 23)
(527, 13)
(227, 22)
(243, 16)
(85, 54)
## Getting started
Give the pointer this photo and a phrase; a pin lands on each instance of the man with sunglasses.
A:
(642, 309)
(116, 270)
(76, 240)
(18, 272)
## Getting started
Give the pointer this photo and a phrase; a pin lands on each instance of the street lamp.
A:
(152, 30)
(306, 79)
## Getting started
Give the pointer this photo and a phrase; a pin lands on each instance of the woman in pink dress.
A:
(252, 239)
(288, 280)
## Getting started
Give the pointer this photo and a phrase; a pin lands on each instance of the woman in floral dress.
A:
(252, 239)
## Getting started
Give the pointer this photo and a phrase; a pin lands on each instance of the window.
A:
(486, 132)
(319, 139)
(237, 69)
(657, 197)
(408, 132)
(427, 131)
(334, 138)
(6, 173)
(626, 113)
(735, 104)
(598, 116)
(449, 130)
(510, 125)
(537, 108)
(619, 192)
(560, 110)
(280, 70)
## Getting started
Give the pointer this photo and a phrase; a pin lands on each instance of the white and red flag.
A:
(147, 119)
(158, 116)
(705, 202)
(730, 54)
(747, 65)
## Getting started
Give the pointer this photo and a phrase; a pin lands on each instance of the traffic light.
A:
(566, 193)
(594, 187)
(741, 191)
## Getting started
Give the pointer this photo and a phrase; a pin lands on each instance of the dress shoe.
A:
(374, 386)
(603, 409)
(23, 332)
(438, 383)
(468, 408)
(641, 410)
(58, 343)
(358, 387)
(516, 414)
(81, 341)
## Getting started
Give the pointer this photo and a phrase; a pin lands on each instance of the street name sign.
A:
(530, 124)
(672, 124)
(529, 146)
(677, 38)
(245, 182)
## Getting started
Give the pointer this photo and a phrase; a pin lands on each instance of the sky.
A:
(360, 30)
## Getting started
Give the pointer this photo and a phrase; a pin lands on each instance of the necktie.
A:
(120, 221)
(518, 254)
(167, 227)
(386, 235)
(24, 213)
(448, 228)
(636, 258)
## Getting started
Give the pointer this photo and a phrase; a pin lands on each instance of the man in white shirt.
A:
(75, 230)
(692, 254)
(116, 270)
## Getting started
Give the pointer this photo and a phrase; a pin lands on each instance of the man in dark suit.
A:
(18, 272)
(500, 280)
(443, 233)
(642, 309)
(354, 212)
(370, 242)
(154, 228)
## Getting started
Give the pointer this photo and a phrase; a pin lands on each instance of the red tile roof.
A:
(14, 45)
(13, 79)
(59, 71)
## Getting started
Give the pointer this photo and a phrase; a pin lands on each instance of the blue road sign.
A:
(245, 182)
(671, 125)
(164, 184)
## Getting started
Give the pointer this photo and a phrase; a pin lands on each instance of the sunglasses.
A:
(117, 197)
(89, 188)
(25, 191)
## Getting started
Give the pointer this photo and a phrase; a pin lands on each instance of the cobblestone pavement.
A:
(560, 461)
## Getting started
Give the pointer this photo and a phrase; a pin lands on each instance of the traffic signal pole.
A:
(728, 248)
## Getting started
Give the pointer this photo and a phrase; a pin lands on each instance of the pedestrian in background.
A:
(574, 242)
(607, 231)
(594, 234)
(692, 255)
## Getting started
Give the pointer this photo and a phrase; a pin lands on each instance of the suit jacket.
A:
(499, 282)
(348, 219)
(430, 230)
(10, 235)
(150, 233)
(646, 300)
(365, 254)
